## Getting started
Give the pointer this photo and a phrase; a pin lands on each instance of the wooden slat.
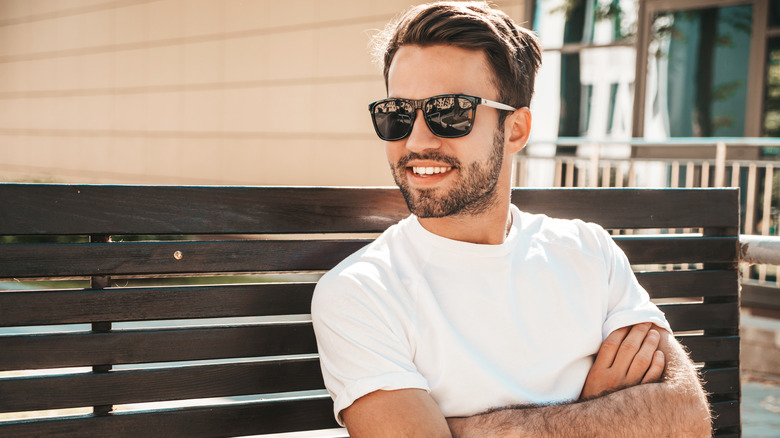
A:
(161, 303)
(704, 283)
(725, 414)
(128, 258)
(86, 209)
(191, 382)
(135, 304)
(711, 348)
(20, 394)
(721, 380)
(83, 209)
(230, 420)
(132, 258)
(207, 381)
(672, 249)
(144, 346)
(696, 316)
(636, 208)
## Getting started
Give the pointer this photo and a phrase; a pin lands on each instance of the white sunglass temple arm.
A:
(496, 105)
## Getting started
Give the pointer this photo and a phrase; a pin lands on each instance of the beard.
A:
(473, 192)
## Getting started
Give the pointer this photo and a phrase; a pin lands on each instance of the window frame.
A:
(756, 79)
(754, 107)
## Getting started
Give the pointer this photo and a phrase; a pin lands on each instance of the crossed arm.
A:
(621, 398)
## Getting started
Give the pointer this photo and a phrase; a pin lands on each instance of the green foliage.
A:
(772, 104)
(727, 90)
(722, 121)
(567, 7)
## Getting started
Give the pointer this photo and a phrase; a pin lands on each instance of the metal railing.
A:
(748, 163)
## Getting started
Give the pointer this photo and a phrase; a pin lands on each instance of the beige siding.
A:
(258, 92)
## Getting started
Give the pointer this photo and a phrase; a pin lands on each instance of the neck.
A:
(489, 227)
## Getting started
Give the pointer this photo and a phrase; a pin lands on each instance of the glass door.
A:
(702, 69)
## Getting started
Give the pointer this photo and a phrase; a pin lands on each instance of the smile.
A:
(430, 170)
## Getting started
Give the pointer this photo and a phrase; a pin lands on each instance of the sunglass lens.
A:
(449, 116)
(393, 119)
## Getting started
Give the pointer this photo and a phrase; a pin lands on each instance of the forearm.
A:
(646, 410)
(677, 407)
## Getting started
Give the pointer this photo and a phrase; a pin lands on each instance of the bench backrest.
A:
(199, 297)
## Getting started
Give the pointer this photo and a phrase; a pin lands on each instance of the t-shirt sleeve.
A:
(362, 343)
(628, 302)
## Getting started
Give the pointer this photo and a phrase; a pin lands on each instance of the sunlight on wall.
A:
(192, 92)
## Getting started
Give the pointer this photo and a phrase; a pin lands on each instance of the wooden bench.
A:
(128, 295)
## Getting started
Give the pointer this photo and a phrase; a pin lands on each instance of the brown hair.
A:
(514, 53)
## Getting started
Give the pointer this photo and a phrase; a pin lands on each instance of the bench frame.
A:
(260, 351)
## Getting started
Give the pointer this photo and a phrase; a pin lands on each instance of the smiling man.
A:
(471, 317)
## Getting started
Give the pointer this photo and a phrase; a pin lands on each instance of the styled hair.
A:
(513, 53)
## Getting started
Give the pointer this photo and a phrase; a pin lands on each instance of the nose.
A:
(421, 138)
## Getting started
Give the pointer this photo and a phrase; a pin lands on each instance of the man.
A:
(470, 317)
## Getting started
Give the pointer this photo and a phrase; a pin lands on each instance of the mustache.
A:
(433, 156)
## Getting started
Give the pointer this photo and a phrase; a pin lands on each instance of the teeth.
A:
(430, 170)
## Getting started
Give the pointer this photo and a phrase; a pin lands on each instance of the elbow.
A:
(695, 415)
(701, 422)
(702, 412)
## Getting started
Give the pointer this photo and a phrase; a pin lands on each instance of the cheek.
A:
(481, 147)
(485, 131)
(393, 151)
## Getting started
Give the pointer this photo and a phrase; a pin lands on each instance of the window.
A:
(697, 72)
(771, 126)
(616, 69)
(585, 87)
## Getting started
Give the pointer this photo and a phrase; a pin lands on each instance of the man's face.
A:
(446, 176)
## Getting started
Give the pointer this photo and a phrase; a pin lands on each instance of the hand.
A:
(629, 356)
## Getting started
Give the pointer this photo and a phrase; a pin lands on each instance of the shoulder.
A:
(367, 277)
(571, 233)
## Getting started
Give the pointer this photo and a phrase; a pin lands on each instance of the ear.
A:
(517, 128)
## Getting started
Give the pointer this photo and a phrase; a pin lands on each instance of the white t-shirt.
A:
(478, 326)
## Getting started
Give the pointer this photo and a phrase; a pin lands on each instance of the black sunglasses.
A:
(447, 115)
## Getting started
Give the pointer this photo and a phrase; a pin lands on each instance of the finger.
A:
(643, 359)
(610, 347)
(656, 370)
(630, 347)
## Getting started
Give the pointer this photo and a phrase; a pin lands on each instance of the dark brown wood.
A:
(725, 414)
(711, 348)
(86, 209)
(704, 283)
(694, 316)
(723, 386)
(635, 208)
(162, 303)
(132, 258)
(652, 250)
(191, 382)
(719, 381)
(237, 212)
(217, 421)
(145, 346)
(69, 209)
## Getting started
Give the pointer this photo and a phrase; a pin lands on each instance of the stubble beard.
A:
(473, 193)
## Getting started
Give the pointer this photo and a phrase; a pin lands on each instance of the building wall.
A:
(254, 92)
